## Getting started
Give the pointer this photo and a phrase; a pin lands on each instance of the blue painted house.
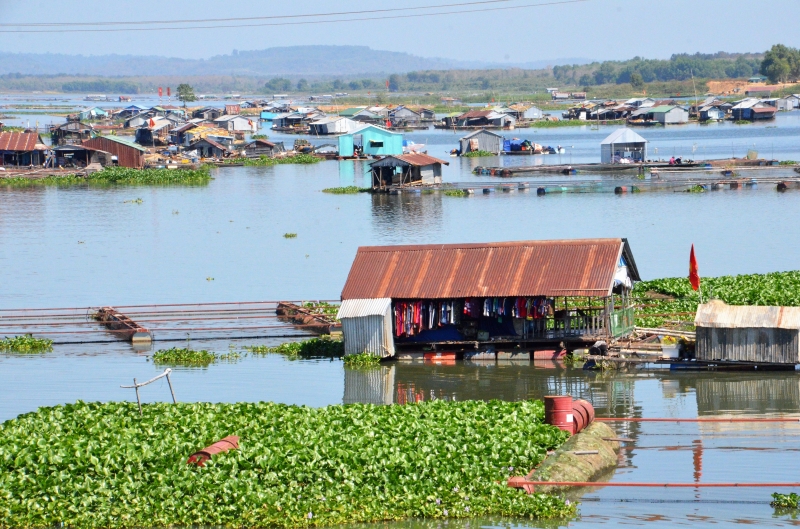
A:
(371, 140)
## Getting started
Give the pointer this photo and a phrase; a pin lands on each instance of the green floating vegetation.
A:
(773, 289)
(313, 348)
(181, 356)
(348, 190)
(120, 175)
(477, 154)
(787, 162)
(259, 137)
(130, 176)
(362, 360)
(784, 501)
(289, 235)
(265, 161)
(107, 467)
(322, 307)
(455, 193)
(742, 122)
(696, 189)
(26, 344)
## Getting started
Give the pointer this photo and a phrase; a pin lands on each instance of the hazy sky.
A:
(594, 29)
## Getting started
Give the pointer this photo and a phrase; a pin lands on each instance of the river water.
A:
(80, 247)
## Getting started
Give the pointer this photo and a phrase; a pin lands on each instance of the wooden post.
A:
(138, 400)
(174, 400)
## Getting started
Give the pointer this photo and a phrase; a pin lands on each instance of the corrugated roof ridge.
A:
(499, 244)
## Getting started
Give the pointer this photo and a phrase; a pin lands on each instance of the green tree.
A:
(637, 82)
(186, 93)
(278, 84)
(302, 85)
(781, 63)
(394, 82)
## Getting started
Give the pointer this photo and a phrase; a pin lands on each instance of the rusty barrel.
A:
(583, 413)
(223, 445)
(558, 412)
(620, 190)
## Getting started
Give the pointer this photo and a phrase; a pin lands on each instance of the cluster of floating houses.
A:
(649, 111)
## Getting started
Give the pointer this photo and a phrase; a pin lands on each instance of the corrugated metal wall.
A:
(126, 156)
(486, 142)
(369, 386)
(371, 334)
(765, 345)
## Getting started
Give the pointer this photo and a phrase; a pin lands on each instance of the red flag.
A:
(159, 91)
(152, 123)
(387, 83)
(694, 276)
(169, 90)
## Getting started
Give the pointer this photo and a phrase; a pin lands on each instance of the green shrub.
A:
(106, 467)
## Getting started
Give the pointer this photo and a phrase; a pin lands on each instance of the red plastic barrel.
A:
(558, 412)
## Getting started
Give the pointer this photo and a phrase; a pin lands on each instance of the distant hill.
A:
(291, 61)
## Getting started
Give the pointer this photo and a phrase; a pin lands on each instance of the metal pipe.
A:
(622, 419)
(641, 484)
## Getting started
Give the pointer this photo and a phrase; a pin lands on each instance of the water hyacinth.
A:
(105, 466)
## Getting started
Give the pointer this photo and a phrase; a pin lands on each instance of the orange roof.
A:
(18, 141)
(580, 267)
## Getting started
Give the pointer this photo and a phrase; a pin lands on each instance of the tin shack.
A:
(465, 297)
(406, 169)
(760, 335)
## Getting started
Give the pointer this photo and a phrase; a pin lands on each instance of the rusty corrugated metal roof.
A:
(718, 314)
(581, 267)
(18, 141)
(420, 159)
(475, 114)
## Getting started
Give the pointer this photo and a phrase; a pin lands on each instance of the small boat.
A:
(411, 147)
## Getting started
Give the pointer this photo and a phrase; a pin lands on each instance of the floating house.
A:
(370, 140)
(406, 169)
(124, 153)
(70, 133)
(21, 148)
(668, 115)
(711, 113)
(752, 109)
(258, 148)
(404, 116)
(623, 144)
(427, 114)
(360, 114)
(207, 113)
(333, 125)
(155, 132)
(208, 148)
(130, 111)
(531, 294)
(484, 118)
(481, 140)
(762, 335)
(79, 156)
(237, 123)
(91, 113)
